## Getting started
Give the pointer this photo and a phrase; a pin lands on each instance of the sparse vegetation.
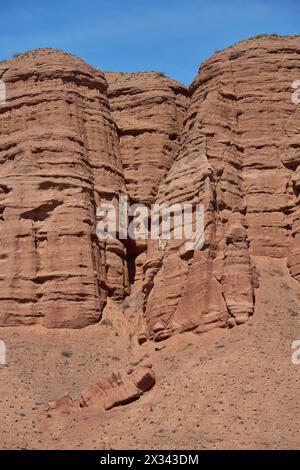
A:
(134, 363)
(125, 304)
(258, 36)
(292, 312)
(67, 353)
(160, 74)
(115, 358)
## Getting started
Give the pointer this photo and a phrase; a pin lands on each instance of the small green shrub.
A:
(67, 353)
(115, 358)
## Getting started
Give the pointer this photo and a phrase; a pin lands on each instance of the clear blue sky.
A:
(170, 36)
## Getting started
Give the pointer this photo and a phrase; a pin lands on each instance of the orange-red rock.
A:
(117, 389)
(148, 109)
(69, 141)
(239, 158)
(64, 149)
(59, 158)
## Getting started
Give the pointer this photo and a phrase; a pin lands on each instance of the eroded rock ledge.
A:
(117, 389)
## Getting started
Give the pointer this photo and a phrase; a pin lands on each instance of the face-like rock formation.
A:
(72, 137)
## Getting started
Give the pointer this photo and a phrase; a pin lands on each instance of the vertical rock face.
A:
(68, 143)
(148, 109)
(59, 158)
(238, 158)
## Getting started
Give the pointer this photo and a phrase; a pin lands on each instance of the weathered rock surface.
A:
(239, 158)
(59, 158)
(148, 109)
(69, 140)
(242, 380)
(237, 152)
(117, 389)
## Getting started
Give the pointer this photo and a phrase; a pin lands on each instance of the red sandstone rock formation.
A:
(59, 158)
(69, 141)
(148, 109)
(239, 158)
(64, 149)
(118, 389)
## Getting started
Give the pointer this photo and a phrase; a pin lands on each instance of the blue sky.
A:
(170, 36)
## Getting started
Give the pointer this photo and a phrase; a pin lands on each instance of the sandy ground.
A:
(226, 389)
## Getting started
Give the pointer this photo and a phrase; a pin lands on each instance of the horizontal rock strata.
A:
(148, 109)
(117, 389)
(72, 137)
(59, 158)
(239, 158)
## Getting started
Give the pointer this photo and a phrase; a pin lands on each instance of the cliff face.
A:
(239, 158)
(148, 109)
(67, 143)
(59, 157)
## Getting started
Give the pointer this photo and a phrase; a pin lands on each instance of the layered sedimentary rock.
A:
(69, 141)
(59, 158)
(238, 158)
(117, 389)
(148, 109)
